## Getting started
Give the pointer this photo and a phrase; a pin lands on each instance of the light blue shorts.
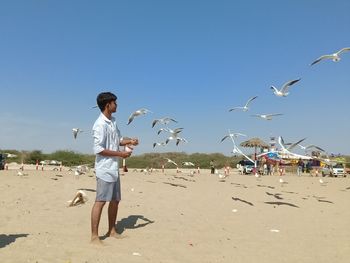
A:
(108, 191)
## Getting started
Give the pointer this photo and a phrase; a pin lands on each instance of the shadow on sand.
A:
(88, 190)
(8, 239)
(131, 223)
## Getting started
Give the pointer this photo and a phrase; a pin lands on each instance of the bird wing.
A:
(154, 122)
(225, 138)
(320, 58)
(167, 119)
(273, 114)
(239, 134)
(250, 100)
(290, 147)
(131, 118)
(274, 89)
(343, 50)
(288, 84)
(236, 108)
(314, 146)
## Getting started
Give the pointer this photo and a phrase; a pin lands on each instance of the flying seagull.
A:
(335, 56)
(245, 107)
(170, 161)
(159, 144)
(232, 135)
(178, 140)
(187, 163)
(137, 113)
(76, 131)
(290, 146)
(173, 133)
(267, 117)
(164, 120)
(283, 92)
(305, 148)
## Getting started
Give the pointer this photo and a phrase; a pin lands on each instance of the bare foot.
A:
(97, 241)
(116, 235)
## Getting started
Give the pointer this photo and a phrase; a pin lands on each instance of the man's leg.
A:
(112, 218)
(95, 221)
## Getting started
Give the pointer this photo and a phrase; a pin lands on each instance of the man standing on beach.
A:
(107, 140)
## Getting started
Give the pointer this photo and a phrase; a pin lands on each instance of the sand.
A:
(176, 217)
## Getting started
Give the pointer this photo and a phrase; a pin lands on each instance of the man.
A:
(300, 167)
(212, 167)
(107, 140)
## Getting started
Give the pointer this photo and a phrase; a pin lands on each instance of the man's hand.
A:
(124, 154)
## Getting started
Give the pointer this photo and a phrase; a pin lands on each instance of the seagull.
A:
(79, 198)
(335, 56)
(245, 107)
(76, 131)
(267, 117)
(159, 144)
(170, 161)
(164, 120)
(292, 145)
(173, 133)
(283, 92)
(233, 135)
(178, 140)
(188, 164)
(305, 148)
(137, 113)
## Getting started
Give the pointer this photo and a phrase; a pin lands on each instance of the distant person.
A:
(212, 167)
(107, 140)
(300, 167)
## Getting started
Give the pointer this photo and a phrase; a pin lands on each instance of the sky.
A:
(189, 60)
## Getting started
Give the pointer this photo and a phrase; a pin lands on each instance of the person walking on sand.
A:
(300, 167)
(212, 167)
(107, 140)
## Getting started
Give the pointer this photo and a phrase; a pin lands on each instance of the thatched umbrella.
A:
(256, 143)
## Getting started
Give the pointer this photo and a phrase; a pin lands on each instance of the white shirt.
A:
(106, 136)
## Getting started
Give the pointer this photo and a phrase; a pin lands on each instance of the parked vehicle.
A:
(245, 167)
(334, 170)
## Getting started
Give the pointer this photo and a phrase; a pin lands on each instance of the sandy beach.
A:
(176, 217)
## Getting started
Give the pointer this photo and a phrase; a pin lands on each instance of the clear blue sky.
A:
(191, 60)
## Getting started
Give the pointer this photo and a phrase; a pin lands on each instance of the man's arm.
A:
(122, 154)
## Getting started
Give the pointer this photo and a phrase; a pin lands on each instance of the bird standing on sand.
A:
(335, 56)
(283, 92)
(137, 113)
(245, 107)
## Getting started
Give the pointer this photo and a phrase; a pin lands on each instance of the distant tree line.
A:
(150, 160)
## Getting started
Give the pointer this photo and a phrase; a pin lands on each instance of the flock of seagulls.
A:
(173, 134)
(283, 91)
